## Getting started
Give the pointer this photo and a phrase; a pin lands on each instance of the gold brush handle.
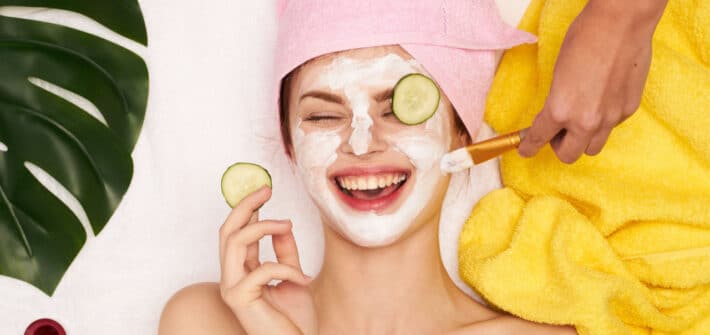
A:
(494, 147)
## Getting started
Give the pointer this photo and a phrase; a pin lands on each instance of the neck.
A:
(392, 288)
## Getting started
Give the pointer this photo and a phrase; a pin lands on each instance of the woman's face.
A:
(373, 178)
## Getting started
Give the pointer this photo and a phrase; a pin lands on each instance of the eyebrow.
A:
(379, 97)
(384, 95)
(323, 96)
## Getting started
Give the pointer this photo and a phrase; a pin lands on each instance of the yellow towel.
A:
(618, 243)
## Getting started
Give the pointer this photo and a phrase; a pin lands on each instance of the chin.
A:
(372, 231)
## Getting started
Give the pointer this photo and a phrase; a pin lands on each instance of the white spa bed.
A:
(208, 64)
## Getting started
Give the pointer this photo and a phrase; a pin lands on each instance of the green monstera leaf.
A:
(39, 234)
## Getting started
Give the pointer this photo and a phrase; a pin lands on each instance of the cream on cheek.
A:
(317, 150)
(314, 153)
(424, 148)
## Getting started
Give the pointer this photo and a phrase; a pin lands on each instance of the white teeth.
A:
(361, 184)
(371, 182)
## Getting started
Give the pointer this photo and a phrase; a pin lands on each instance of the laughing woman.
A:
(375, 180)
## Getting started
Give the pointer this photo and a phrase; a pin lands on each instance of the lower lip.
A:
(371, 205)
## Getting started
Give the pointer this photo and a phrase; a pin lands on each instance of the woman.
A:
(375, 181)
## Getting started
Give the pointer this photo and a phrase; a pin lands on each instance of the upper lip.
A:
(369, 170)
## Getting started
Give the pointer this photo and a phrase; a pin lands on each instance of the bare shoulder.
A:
(509, 325)
(198, 309)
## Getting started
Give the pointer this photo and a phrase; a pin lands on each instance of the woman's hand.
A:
(598, 79)
(286, 308)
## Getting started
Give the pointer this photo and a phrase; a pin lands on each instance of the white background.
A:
(209, 65)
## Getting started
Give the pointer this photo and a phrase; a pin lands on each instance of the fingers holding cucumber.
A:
(242, 179)
(245, 187)
(244, 283)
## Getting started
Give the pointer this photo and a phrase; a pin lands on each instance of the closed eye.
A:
(320, 118)
(323, 119)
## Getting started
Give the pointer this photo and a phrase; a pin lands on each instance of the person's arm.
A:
(598, 79)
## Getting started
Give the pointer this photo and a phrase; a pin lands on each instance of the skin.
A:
(598, 78)
(356, 291)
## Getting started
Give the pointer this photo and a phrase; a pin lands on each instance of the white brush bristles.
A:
(455, 161)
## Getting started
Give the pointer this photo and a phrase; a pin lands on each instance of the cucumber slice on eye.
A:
(415, 99)
(242, 179)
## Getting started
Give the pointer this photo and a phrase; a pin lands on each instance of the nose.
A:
(361, 136)
(365, 137)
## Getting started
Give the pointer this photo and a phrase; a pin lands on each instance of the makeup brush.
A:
(464, 158)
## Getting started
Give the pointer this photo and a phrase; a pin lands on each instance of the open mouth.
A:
(371, 191)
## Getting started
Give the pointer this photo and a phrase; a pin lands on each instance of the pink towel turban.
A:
(455, 40)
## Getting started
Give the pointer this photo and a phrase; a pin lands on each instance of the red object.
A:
(45, 327)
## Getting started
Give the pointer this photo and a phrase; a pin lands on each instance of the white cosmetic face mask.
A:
(316, 151)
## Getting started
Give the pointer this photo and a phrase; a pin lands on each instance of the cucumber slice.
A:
(415, 99)
(242, 179)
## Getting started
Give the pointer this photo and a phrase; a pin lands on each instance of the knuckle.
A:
(589, 125)
(591, 121)
(631, 107)
(223, 229)
(233, 239)
(628, 113)
(558, 115)
(612, 120)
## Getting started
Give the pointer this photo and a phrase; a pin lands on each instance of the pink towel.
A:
(453, 39)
